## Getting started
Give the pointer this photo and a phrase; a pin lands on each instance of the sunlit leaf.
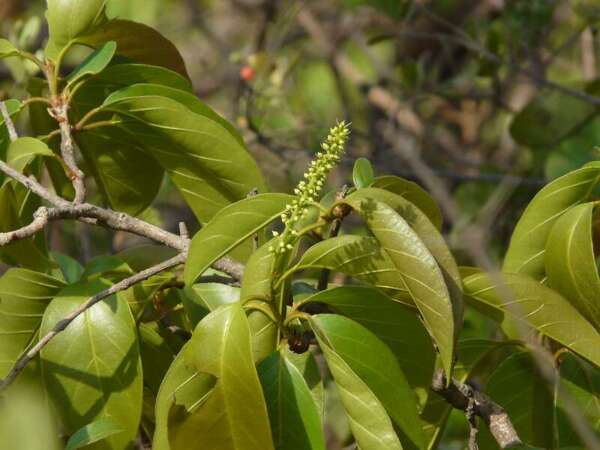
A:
(24, 296)
(570, 262)
(524, 299)
(375, 364)
(92, 369)
(371, 426)
(95, 63)
(528, 243)
(229, 228)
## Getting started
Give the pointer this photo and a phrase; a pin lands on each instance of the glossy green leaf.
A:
(229, 228)
(539, 307)
(186, 98)
(517, 386)
(70, 19)
(581, 382)
(418, 270)
(92, 369)
(360, 257)
(430, 236)
(234, 414)
(127, 177)
(294, 417)
(309, 368)
(527, 247)
(125, 174)
(414, 193)
(258, 275)
(139, 43)
(202, 298)
(371, 426)
(362, 174)
(375, 364)
(95, 63)
(394, 324)
(24, 296)
(570, 262)
(69, 267)
(182, 385)
(21, 153)
(7, 49)
(204, 160)
(94, 432)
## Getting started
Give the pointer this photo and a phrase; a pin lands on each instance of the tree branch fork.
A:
(459, 395)
(78, 209)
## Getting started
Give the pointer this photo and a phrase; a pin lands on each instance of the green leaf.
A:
(70, 268)
(92, 369)
(581, 382)
(70, 19)
(24, 296)
(234, 414)
(295, 419)
(204, 160)
(139, 43)
(418, 270)
(363, 175)
(95, 63)
(371, 426)
(517, 386)
(570, 261)
(94, 432)
(186, 98)
(394, 324)
(375, 364)
(413, 193)
(108, 267)
(182, 385)
(359, 257)
(229, 228)
(202, 298)
(25, 252)
(539, 307)
(22, 152)
(430, 236)
(527, 247)
(127, 177)
(156, 356)
(7, 49)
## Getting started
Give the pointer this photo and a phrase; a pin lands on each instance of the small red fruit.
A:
(247, 73)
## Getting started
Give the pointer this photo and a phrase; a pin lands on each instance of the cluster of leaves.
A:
(247, 373)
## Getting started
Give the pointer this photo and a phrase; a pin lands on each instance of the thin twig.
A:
(40, 220)
(22, 362)
(67, 149)
(10, 126)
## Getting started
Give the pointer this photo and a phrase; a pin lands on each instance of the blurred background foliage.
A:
(480, 101)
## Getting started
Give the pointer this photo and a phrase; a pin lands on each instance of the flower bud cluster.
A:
(309, 188)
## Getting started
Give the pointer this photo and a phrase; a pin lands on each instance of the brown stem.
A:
(465, 397)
